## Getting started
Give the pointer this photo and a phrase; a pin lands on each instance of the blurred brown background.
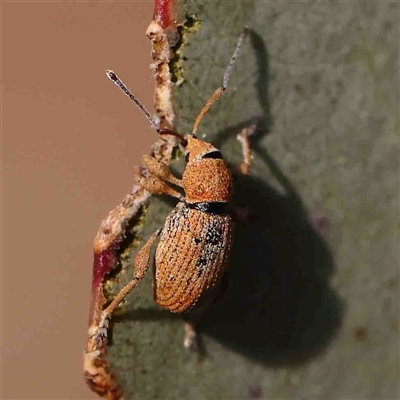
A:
(70, 141)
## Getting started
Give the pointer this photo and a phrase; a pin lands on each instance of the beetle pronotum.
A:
(193, 250)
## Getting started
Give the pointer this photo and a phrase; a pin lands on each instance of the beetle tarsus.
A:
(243, 138)
(101, 336)
(191, 339)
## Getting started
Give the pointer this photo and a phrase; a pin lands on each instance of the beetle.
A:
(192, 254)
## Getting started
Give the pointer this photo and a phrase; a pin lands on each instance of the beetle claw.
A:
(100, 337)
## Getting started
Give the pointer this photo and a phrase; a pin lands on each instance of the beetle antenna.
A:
(221, 90)
(114, 78)
(173, 133)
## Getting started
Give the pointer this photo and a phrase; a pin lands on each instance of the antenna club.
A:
(111, 75)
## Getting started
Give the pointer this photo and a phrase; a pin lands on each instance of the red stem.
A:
(164, 13)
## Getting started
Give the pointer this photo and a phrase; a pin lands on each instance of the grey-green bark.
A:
(312, 309)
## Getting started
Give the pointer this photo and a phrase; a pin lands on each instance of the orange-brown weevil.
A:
(192, 254)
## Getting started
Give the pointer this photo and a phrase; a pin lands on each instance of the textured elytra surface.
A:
(312, 307)
(191, 257)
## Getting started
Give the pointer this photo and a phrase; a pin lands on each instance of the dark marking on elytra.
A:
(202, 261)
(206, 259)
(214, 233)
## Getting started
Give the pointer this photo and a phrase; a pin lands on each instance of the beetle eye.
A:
(216, 155)
(187, 157)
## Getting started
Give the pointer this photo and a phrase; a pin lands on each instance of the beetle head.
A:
(197, 150)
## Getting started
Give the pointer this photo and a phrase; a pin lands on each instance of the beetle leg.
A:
(191, 339)
(142, 263)
(160, 170)
(155, 185)
(243, 138)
